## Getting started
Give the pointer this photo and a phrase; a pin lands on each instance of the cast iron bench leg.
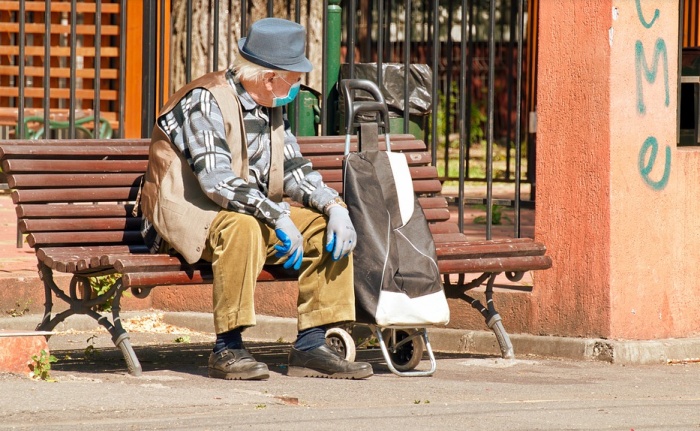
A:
(495, 323)
(80, 305)
(491, 316)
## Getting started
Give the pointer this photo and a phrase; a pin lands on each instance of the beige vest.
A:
(172, 198)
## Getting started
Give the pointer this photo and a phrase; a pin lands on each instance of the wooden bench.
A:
(74, 201)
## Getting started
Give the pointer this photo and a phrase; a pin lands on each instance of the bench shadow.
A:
(191, 358)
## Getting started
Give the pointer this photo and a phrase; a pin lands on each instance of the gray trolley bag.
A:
(397, 281)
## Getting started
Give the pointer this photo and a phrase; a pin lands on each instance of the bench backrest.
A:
(82, 192)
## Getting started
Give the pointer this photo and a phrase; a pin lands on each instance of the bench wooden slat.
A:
(99, 143)
(437, 215)
(76, 180)
(321, 140)
(74, 210)
(458, 239)
(336, 161)
(339, 148)
(81, 258)
(34, 166)
(43, 239)
(95, 194)
(494, 264)
(419, 186)
(90, 250)
(74, 151)
(417, 173)
(443, 227)
(470, 251)
(151, 261)
(433, 202)
(79, 225)
(166, 278)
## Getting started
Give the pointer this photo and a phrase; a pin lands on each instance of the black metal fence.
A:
(473, 52)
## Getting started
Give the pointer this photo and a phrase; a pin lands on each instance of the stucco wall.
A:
(617, 200)
(573, 169)
(654, 246)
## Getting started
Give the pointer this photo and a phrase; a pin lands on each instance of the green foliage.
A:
(90, 351)
(183, 339)
(444, 126)
(41, 368)
(101, 285)
(497, 216)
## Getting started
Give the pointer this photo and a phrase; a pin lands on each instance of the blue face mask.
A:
(293, 91)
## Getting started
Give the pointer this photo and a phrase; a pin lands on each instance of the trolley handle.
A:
(353, 108)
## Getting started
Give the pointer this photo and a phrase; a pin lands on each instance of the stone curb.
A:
(278, 329)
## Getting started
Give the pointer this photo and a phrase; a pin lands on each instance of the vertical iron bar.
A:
(489, 135)
(297, 104)
(73, 68)
(471, 51)
(216, 36)
(244, 17)
(122, 66)
(390, 46)
(188, 42)
(406, 64)
(518, 115)
(352, 11)
(229, 34)
(160, 73)
(97, 60)
(270, 7)
(148, 110)
(380, 41)
(509, 83)
(448, 87)
(434, 95)
(331, 69)
(47, 67)
(20, 64)
(19, 131)
(463, 129)
(324, 72)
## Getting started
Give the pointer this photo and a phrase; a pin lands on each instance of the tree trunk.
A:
(202, 37)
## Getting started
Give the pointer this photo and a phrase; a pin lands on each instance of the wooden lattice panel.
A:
(60, 55)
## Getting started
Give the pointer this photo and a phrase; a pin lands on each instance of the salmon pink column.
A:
(618, 202)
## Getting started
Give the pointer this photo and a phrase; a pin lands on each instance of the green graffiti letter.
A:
(650, 74)
(641, 15)
(651, 146)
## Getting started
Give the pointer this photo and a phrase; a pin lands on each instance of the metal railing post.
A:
(149, 53)
(331, 67)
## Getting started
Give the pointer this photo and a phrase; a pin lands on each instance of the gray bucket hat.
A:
(276, 43)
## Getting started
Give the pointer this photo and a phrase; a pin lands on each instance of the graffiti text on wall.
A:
(650, 147)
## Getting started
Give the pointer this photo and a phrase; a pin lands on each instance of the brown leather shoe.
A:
(324, 362)
(236, 364)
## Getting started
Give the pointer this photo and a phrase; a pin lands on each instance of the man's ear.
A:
(267, 80)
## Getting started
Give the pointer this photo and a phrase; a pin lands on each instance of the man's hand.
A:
(292, 243)
(341, 235)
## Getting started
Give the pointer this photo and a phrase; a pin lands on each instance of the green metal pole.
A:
(332, 67)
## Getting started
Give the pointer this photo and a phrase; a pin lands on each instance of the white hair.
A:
(249, 71)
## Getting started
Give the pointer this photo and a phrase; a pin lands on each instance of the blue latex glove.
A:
(292, 243)
(340, 234)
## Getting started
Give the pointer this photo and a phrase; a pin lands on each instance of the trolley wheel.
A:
(407, 356)
(339, 340)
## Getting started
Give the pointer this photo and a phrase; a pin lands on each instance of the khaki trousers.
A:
(239, 245)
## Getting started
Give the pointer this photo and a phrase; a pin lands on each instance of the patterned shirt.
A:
(196, 127)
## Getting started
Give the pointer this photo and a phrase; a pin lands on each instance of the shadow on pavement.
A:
(191, 358)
